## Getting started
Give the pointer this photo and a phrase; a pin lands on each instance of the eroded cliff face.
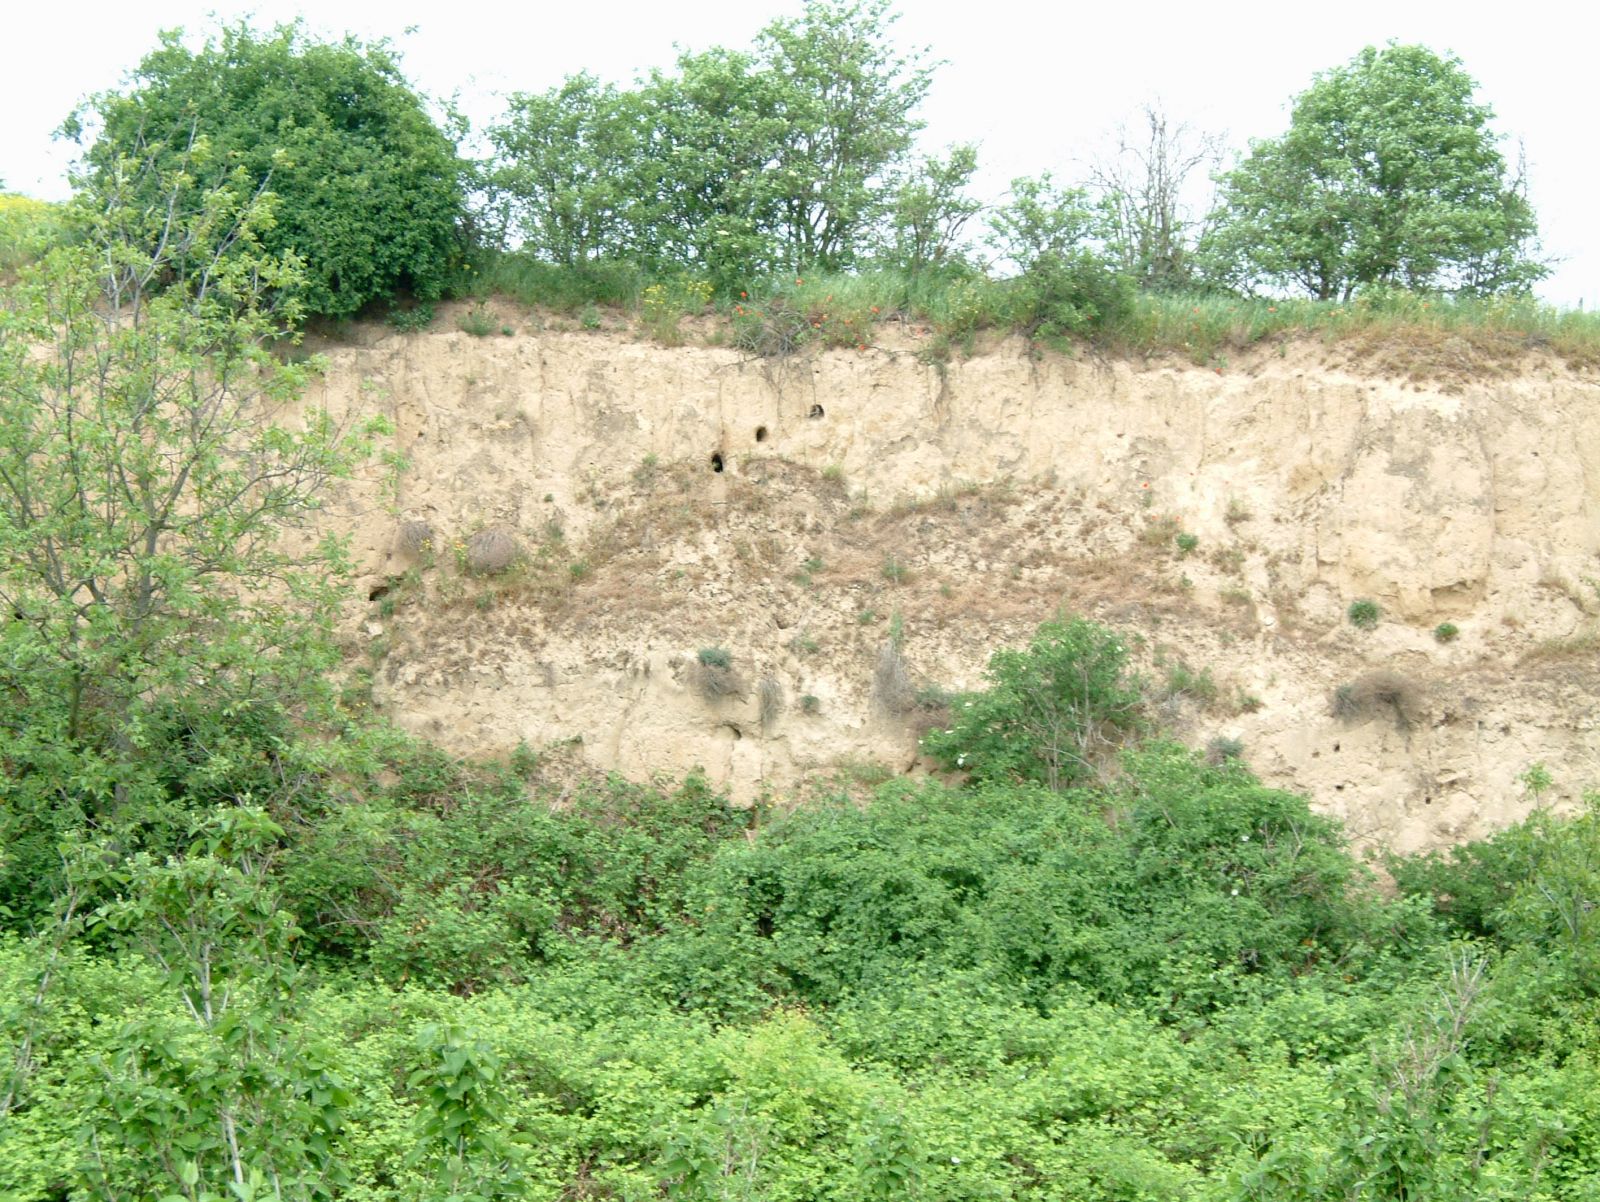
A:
(964, 504)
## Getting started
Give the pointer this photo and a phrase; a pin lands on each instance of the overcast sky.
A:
(1040, 86)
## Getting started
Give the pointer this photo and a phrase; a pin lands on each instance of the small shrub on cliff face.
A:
(1376, 691)
(714, 657)
(477, 322)
(1446, 632)
(409, 321)
(415, 537)
(714, 676)
(892, 690)
(492, 551)
(770, 693)
(1364, 613)
(1222, 749)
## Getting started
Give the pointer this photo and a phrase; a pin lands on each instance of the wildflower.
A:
(744, 296)
(874, 308)
(955, 1160)
(1244, 838)
(1272, 308)
(1236, 893)
(861, 346)
(797, 283)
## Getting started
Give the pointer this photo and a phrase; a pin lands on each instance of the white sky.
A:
(1039, 85)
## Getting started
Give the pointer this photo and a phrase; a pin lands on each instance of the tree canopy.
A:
(1389, 174)
(369, 190)
(783, 157)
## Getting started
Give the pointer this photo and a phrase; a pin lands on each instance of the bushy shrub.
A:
(1050, 713)
(368, 189)
(1364, 613)
(1204, 879)
(492, 551)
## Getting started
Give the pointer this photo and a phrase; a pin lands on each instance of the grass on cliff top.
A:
(1414, 334)
(774, 316)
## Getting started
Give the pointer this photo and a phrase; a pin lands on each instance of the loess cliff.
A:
(860, 529)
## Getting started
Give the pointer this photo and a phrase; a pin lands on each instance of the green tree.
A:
(928, 212)
(1389, 175)
(370, 190)
(783, 157)
(567, 163)
(847, 102)
(220, 1097)
(153, 453)
(714, 126)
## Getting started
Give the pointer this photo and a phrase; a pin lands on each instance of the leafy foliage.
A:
(1052, 236)
(222, 1096)
(738, 163)
(1389, 176)
(250, 948)
(1049, 713)
(368, 189)
(152, 450)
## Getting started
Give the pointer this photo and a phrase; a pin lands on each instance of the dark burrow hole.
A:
(716, 461)
(378, 593)
(815, 411)
(761, 434)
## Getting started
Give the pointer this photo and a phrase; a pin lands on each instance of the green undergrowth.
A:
(405, 976)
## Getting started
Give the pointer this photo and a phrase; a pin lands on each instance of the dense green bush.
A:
(1180, 984)
(1051, 712)
(368, 190)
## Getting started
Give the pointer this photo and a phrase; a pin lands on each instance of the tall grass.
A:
(560, 288)
(1205, 327)
(781, 314)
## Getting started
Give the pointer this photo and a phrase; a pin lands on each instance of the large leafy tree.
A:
(369, 188)
(1389, 175)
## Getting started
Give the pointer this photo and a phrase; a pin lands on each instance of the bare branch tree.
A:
(1145, 190)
